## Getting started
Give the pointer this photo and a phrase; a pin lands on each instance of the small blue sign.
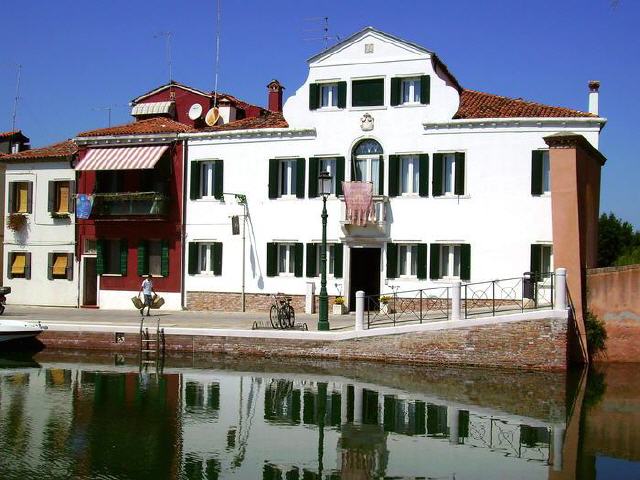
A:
(84, 203)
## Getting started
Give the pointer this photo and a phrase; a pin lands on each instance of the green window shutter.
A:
(218, 179)
(425, 89)
(536, 259)
(423, 179)
(394, 175)
(217, 258)
(459, 180)
(50, 266)
(274, 166)
(99, 257)
(314, 96)
(124, 257)
(421, 261)
(396, 85)
(392, 260)
(342, 94)
(51, 204)
(436, 181)
(143, 259)
(366, 93)
(536, 172)
(337, 260)
(272, 259)
(194, 192)
(164, 258)
(299, 257)
(339, 175)
(465, 262)
(381, 177)
(300, 168)
(313, 177)
(193, 258)
(434, 261)
(311, 259)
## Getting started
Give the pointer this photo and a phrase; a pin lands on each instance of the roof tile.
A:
(142, 127)
(60, 149)
(267, 120)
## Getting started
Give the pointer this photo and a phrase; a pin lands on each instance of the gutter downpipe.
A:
(183, 225)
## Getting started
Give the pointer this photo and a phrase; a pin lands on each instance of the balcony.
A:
(134, 204)
(376, 225)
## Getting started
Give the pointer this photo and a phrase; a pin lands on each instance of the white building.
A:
(461, 181)
(39, 232)
(455, 196)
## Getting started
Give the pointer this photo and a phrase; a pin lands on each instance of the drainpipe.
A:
(183, 225)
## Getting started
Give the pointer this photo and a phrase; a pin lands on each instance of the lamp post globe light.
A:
(323, 311)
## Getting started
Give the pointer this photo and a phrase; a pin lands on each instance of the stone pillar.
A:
(453, 415)
(560, 301)
(455, 300)
(309, 300)
(558, 445)
(359, 310)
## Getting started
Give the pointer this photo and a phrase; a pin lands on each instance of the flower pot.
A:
(339, 309)
(386, 308)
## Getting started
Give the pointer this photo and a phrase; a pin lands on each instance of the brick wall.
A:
(530, 344)
(232, 302)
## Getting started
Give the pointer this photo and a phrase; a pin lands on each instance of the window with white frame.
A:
(409, 174)
(411, 90)
(368, 170)
(207, 178)
(287, 177)
(286, 258)
(328, 165)
(205, 258)
(331, 253)
(328, 95)
(449, 174)
(450, 261)
(407, 260)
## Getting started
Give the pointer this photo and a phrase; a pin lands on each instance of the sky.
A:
(80, 57)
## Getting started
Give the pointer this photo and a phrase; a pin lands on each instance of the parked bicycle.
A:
(281, 314)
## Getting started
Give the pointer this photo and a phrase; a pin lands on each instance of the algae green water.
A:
(77, 416)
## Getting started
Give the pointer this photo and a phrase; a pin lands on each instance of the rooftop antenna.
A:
(167, 35)
(108, 109)
(15, 101)
(321, 33)
(215, 83)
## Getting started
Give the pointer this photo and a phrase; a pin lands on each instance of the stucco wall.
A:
(614, 296)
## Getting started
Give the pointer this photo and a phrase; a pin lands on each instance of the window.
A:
(409, 174)
(331, 254)
(111, 257)
(286, 258)
(368, 170)
(407, 260)
(328, 95)
(89, 246)
(367, 93)
(328, 165)
(450, 261)
(61, 197)
(540, 172)
(287, 177)
(410, 90)
(448, 174)
(60, 266)
(155, 256)
(541, 258)
(334, 259)
(109, 181)
(20, 194)
(19, 265)
(205, 258)
(207, 179)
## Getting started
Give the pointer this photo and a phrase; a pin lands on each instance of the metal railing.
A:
(133, 203)
(378, 214)
(490, 298)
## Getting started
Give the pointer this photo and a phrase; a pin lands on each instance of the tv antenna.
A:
(15, 101)
(108, 109)
(217, 65)
(167, 36)
(321, 32)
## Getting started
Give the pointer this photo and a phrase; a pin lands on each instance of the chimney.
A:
(275, 95)
(594, 86)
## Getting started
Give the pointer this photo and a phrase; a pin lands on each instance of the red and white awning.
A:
(127, 158)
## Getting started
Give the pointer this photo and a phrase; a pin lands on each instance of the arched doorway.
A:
(367, 164)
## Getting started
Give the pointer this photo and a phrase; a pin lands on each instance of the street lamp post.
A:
(323, 312)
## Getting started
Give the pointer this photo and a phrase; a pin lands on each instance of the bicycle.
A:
(282, 314)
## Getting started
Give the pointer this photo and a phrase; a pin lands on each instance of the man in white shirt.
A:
(147, 290)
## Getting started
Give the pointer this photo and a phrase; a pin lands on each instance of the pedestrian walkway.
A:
(180, 319)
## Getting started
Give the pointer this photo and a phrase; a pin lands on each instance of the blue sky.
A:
(81, 56)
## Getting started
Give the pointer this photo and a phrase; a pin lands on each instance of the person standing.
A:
(147, 290)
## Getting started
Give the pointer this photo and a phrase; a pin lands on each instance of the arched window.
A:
(368, 147)
(366, 164)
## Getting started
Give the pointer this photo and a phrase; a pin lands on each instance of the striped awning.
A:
(127, 158)
(153, 108)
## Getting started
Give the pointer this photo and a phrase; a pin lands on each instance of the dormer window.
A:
(328, 95)
(410, 90)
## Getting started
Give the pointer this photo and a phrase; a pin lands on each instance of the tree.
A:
(618, 244)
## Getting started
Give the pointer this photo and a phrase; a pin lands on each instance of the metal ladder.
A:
(152, 348)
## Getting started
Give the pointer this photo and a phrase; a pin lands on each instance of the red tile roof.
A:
(238, 103)
(9, 134)
(475, 104)
(266, 120)
(141, 127)
(56, 150)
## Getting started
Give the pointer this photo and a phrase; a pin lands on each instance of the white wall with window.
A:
(39, 261)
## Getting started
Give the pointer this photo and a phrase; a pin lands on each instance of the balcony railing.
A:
(130, 204)
(375, 224)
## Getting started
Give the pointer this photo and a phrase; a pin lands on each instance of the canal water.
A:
(100, 416)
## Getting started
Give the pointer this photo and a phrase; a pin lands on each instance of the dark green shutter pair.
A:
(395, 172)
(437, 183)
(367, 93)
(536, 172)
(314, 172)
(274, 175)
(314, 95)
(272, 259)
(312, 267)
(392, 261)
(103, 249)
(193, 258)
(465, 262)
(218, 179)
(396, 90)
(143, 258)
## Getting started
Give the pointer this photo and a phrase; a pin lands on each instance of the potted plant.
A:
(384, 304)
(16, 221)
(339, 308)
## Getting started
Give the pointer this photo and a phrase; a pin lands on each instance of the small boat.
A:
(18, 329)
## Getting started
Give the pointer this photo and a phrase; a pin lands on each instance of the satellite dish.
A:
(212, 116)
(195, 112)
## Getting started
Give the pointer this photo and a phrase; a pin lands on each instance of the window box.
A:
(16, 221)
(60, 215)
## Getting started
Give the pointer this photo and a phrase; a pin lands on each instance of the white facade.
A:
(496, 215)
(46, 237)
